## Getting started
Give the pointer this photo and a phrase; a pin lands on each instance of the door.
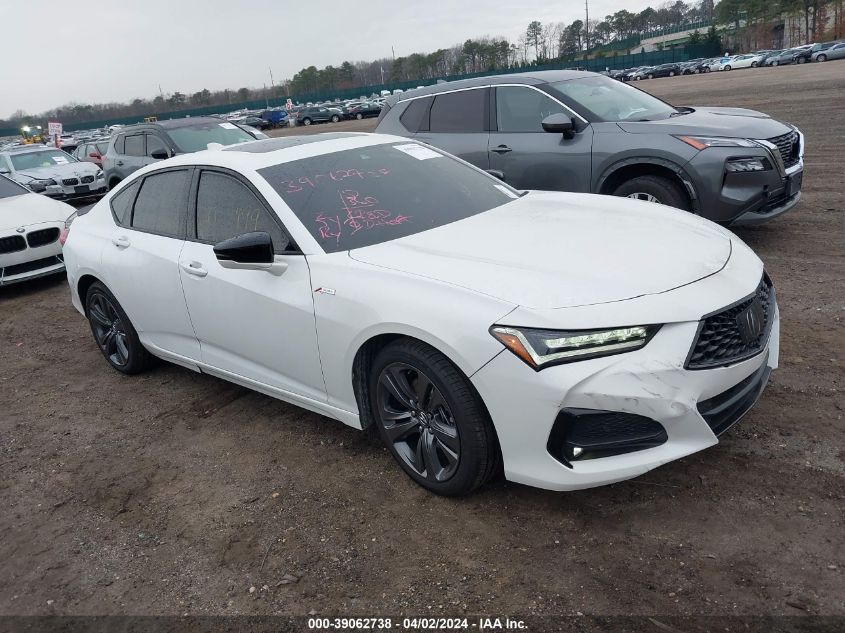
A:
(458, 124)
(530, 157)
(142, 260)
(258, 324)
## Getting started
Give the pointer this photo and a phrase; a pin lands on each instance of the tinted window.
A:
(415, 116)
(523, 109)
(134, 145)
(154, 144)
(160, 205)
(193, 138)
(226, 208)
(119, 144)
(122, 202)
(9, 188)
(366, 196)
(462, 111)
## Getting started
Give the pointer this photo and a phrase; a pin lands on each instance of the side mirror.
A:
(160, 154)
(249, 251)
(5, 170)
(496, 174)
(559, 123)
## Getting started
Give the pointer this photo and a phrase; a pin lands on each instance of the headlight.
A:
(747, 164)
(40, 185)
(703, 142)
(543, 348)
(99, 174)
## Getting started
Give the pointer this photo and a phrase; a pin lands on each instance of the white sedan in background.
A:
(575, 339)
(30, 229)
(740, 61)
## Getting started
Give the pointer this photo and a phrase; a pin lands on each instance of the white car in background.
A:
(576, 339)
(740, 61)
(52, 172)
(30, 228)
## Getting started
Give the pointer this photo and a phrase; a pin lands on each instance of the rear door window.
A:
(121, 203)
(160, 205)
(134, 145)
(462, 111)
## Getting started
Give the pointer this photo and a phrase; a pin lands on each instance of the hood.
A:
(730, 122)
(554, 250)
(31, 208)
(67, 170)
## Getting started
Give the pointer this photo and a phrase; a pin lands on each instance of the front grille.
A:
(788, 146)
(42, 237)
(722, 411)
(28, 267)
(12, 244)
(87, 179)
(725, 337)
(69, 182)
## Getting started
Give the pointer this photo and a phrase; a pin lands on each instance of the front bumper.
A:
(31, 262)
(650, 382)
(76, 192)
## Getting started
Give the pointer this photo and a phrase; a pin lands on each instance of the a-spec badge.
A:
(325, 291)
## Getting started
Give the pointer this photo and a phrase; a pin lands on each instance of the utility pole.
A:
(587, 24)
(393, 50)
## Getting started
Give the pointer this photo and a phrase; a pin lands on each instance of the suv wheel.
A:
(114, 333)
(650, 76)
(801, 60)
(335, 118)
(654, 189)
(359, 116)
(306, 121)
(114, 182)
(431, 420)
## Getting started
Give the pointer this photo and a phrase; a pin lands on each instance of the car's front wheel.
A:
(306, 121)
(728, 67)
(821, 58)
(335, 118)
(431, 419)
(113, 331)
(801, 60)
(654, 189)
(754, 64)
(359, 116)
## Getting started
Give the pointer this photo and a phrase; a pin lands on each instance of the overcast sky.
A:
(114, 50)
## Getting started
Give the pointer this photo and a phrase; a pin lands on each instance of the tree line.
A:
(540, 43)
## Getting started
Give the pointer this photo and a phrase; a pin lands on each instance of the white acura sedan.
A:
(575, 340)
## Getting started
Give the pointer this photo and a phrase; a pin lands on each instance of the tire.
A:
(707, 69)
(654, 189)
(775, 63)
(651, 76)
(359, 116)
(335, 118)
(754, 64)
(114, 182)
(436, 407)
(671, 73)
(728, 67)
(821, 57)
(801, 60)
(114, 333)
(306, 121)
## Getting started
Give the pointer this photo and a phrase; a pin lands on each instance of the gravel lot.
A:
(177, 493)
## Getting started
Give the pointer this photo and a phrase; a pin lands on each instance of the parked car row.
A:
(310, 115)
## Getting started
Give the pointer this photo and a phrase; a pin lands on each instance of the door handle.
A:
(121, 241)
(194, 268)
(120, 163)
(501, 149)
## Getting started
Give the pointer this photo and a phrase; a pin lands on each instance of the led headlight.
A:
(747, 164)
(543, 348)
(99, 174)
(703, 142)
(40, 185)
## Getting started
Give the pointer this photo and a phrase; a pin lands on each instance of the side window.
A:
(415, 116)
(226, 208)
(119, 144)
(122, 202)
(160, 205)
(154, 143)
(462, 111)
(134, 145)
(523, 109)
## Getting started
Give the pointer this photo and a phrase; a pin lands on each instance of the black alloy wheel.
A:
(113, 332)
(418, 421)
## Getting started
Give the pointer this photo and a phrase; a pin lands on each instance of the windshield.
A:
(609, 100)
(375, 194)
(194, 138)
(45, 158)
(9, 188)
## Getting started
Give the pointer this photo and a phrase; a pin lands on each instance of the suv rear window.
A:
(415, 116)
(365, 196)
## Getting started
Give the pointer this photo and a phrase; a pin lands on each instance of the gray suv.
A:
(580, 131)
(135, 146)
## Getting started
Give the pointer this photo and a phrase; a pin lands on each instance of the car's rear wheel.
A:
(754, 64)
(359, 116)
(821, 58)
(335, 118)
(654, 189)
(651, 76)
(671, 73)
(801, 60)
(113, 331)
(431, 419)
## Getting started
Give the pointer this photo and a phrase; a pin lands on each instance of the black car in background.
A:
(364, 110)
(318, 114)
(665, 70)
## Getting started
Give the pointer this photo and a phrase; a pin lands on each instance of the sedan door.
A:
(531, 158)
(458, 124)
(141, 261)
(254, 324)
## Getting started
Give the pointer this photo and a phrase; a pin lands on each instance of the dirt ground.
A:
(174, 493)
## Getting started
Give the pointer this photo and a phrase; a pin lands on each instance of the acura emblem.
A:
(751, 321)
